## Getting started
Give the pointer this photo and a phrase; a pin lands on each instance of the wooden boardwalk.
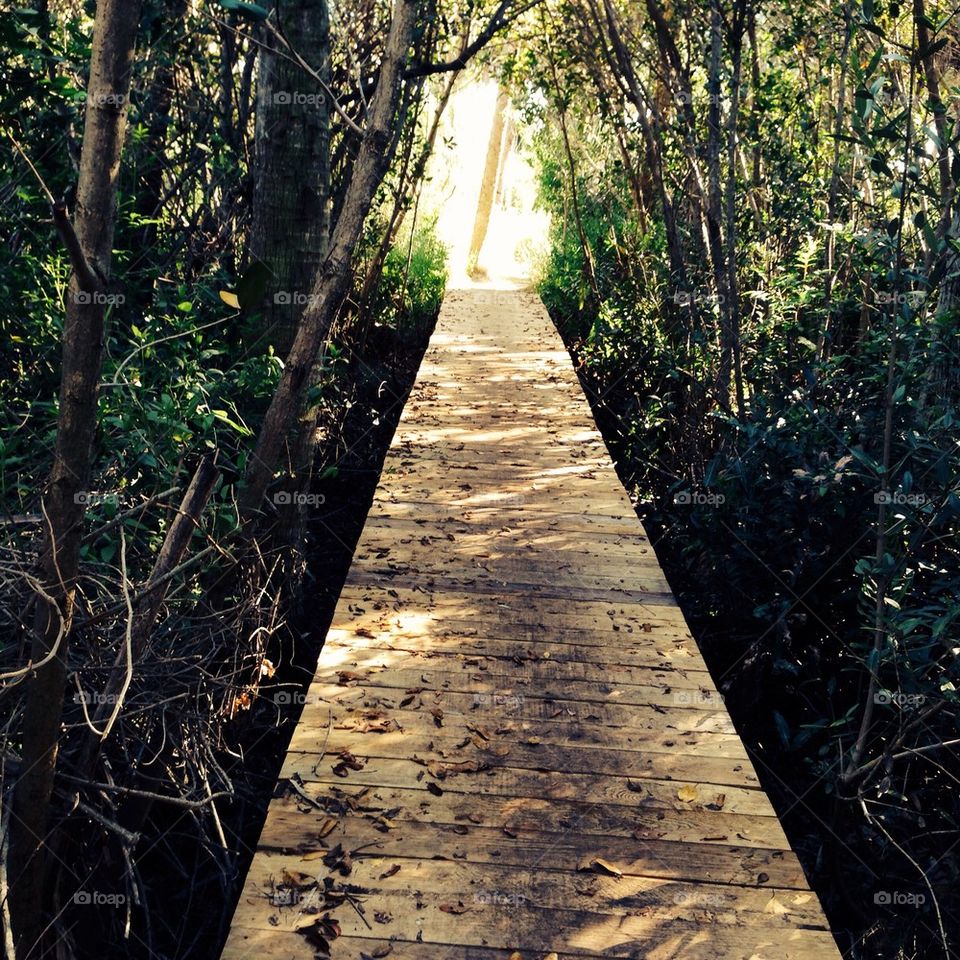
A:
(512, 747)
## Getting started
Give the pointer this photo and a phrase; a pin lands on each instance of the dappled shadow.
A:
(512, 742)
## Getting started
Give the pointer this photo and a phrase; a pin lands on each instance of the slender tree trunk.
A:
(333, 277)
(114, 39)
(487, 185)
(714, 207)
(733, 287)
(506, 145)
(291, 208)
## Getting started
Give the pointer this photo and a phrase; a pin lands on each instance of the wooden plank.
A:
(512, 742)
(642, 845)
(519, 660)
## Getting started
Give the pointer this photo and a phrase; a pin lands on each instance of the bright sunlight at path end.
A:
(512, 746)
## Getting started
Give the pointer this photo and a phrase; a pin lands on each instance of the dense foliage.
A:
(754, 259)
(192, 354)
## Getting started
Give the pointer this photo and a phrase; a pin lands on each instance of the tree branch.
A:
(497, 22)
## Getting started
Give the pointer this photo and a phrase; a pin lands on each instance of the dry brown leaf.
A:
(455, 908)
(327, 827)
(391, 872)
(295, 878)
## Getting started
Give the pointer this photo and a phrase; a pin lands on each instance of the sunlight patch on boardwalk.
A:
(512, 744)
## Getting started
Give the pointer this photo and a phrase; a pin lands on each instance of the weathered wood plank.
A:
(512, 742)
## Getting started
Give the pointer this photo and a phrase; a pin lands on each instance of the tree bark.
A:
(487, 185)
(291, 208)
(333, 277)
(114, 39)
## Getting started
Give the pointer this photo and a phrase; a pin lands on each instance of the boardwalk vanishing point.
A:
(512, 747)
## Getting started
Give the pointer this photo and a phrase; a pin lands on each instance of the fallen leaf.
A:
(480, 730)
(773, 905)
(391, 872)
(455, 908)
(327, 827)
(687, 794)
(294, 878)
(607, 867)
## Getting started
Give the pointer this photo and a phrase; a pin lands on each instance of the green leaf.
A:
(252, 10)
(783, 728)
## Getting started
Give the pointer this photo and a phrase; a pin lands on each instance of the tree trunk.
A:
(487, 186)
(291, 227)
(114, 39)
(333, 277)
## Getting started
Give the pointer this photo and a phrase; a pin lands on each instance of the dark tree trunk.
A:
(114, 40)
(291, 210)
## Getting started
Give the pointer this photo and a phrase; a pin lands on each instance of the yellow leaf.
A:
(775, 906)
(230, 299)
(687, 794)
